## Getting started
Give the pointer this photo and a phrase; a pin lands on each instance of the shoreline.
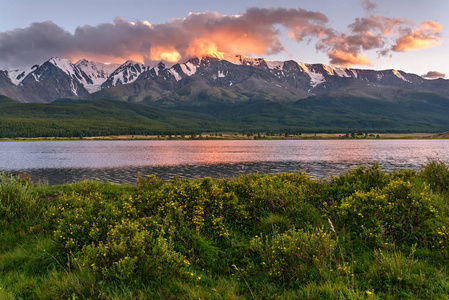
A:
(236, 136)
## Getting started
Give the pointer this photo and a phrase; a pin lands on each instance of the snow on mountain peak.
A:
(81, 62)
(238, 59)
(94, 73)
(274, 65)
(128, 72)
(316, 79)
(64, 64)
(188, 68)
(16, 76)
(175, 74)
(130, 62)
(340, 72)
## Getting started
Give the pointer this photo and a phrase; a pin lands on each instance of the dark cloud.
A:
(255, 32)
(34, 43)
(434, 75)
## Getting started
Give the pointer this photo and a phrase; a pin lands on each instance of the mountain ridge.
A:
(236, 76)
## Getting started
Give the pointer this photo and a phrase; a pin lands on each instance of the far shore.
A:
(239, 136)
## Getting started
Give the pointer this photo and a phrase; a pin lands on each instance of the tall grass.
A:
(17, 200)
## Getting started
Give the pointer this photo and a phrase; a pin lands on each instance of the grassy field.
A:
(366, 234)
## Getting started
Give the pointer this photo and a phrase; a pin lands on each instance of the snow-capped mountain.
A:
(95, 73)
(126, 73)
(88, 73)
(240, 76)
(55, 78)
(61, 78)
(310, 78)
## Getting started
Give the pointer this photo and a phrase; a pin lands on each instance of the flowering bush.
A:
(133, 251)
(295, 255)
(397, 212)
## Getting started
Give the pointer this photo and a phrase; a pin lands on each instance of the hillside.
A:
(100, 117)
(326, 113)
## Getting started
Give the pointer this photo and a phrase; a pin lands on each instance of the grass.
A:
(365, 234)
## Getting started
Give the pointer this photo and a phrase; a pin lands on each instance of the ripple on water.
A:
(122, 161)
(319, 169)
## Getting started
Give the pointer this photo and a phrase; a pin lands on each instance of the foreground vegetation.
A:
(366, 234)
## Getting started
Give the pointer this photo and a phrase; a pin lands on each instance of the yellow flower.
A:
(369, 293)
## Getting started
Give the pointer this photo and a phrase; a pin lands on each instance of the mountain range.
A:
(212, 94)
(231, 80)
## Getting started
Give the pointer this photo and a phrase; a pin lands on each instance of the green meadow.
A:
(365, 234)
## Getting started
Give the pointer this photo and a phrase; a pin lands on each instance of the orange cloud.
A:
(168, 54)
(346, 59)
(425, 36)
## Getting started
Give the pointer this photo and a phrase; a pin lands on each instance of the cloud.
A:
(425, 36)
(256, 32)
(368, 5)
(31, 44)
(346, 59)
(434, 75)
(376, 32)
(251, 33)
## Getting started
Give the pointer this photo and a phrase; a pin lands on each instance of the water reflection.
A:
(121, 161)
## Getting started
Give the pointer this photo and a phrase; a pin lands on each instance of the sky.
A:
(408, 35)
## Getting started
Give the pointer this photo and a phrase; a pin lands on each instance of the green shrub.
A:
(134, 252)
(360, 179)
(202, 205)
(397, 212)
(295, 255)
(81, 220)
(436, 174)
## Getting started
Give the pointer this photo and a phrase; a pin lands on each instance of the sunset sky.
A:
(408, 35)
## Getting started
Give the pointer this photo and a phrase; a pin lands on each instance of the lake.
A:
(61, 162)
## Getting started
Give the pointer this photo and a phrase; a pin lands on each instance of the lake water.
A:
(122, 161)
